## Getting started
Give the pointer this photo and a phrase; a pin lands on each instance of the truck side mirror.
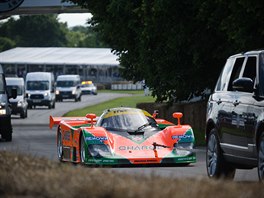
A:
(243, 84)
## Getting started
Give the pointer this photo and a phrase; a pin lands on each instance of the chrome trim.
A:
(233, 146)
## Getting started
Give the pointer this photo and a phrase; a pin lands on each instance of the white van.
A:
(40, 89)
(68, 87)
(19, 105)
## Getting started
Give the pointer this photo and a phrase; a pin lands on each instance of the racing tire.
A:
(7, 130)
(82, 150)
(59, 145)
(216, 165)
(261, 158)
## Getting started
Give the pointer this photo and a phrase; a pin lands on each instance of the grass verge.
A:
(26, 176)
(130, 101)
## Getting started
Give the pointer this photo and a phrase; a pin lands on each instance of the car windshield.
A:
(124, 120)
(68, 83)
(37, 85)
(17, 87)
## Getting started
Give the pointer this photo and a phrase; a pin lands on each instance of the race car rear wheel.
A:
(59, 145)
(82, 150)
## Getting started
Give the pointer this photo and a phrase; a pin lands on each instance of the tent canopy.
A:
(59, 56)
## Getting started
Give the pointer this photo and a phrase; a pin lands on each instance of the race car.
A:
(124, 136)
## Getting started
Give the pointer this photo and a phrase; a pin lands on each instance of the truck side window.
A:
(261, 74)
(223, 79)
(250, 68)
(236, 71)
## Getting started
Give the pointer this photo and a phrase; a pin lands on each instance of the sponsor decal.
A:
(100, 161)
(67, 135)
(137, 148)
(8, 5)
(137, 138)
(94, 138)
(181, 137)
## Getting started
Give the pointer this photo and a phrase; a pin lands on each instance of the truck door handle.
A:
(235, 103)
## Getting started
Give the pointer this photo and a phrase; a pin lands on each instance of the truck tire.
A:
(6, 129)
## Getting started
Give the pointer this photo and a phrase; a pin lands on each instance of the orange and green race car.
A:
(124, 136)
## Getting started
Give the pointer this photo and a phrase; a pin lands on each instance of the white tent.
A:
(59, 56)
(97, 64)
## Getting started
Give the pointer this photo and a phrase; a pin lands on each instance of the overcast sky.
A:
(74, 19)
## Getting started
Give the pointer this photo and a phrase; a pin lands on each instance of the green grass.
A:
(130, 101)
(122, 91)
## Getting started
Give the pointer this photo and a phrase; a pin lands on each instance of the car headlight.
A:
(46, 94)
(74, 91)
(99, 150)
(2, 111)
(20, 103)
(183, 146)
(57, 92)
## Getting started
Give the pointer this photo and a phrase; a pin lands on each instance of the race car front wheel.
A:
(59, 145)
(82, 150)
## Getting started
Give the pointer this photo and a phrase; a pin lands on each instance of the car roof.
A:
(252, 52)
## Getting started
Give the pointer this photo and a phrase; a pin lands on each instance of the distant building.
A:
(97, 64)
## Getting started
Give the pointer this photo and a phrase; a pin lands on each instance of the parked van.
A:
(19, 105)
(40, 89)
(68, 87)
(5, 110)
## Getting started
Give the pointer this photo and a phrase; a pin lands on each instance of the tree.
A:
(178, 47)
(80, 36)
(6, 44)
(35, 31)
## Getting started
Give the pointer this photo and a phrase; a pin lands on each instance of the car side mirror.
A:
(243, 84)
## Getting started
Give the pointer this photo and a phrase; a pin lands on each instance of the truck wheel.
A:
(23, 113)
(216, 165)
(261, 158)
(7, 130)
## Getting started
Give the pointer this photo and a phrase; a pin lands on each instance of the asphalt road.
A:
(33, 136)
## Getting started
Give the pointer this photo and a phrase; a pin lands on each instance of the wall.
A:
(194, 113)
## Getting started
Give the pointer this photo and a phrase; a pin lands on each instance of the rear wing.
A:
(56, 120)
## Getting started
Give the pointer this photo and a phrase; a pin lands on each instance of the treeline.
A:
(178, 47)
(45, 31)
